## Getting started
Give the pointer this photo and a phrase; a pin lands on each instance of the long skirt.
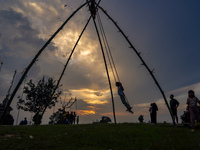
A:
(194, 115)
(153, 117)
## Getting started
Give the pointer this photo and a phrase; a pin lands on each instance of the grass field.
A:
(126, 136)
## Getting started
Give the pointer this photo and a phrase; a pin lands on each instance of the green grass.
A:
(99, 137)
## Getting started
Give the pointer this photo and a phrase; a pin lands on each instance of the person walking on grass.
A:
(173, 106)
(193, 108)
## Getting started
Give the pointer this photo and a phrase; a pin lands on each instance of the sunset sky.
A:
(166, 33)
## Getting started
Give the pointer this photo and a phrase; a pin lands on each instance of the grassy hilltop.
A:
(125, 136)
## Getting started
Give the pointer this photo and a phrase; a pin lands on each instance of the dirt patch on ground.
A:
(11, 135)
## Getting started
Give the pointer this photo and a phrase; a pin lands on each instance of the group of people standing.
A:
(173, 108)
(70, 118)
(192, 108)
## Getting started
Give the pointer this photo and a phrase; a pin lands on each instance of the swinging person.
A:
(122, 96)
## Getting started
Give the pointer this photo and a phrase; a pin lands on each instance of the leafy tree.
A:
(105, 119)
(38, 98)
(57, 117)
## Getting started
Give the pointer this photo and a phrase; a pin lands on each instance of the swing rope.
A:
(108, 51)
(106, 69)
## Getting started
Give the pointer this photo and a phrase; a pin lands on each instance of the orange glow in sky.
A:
(96, 101)
(86, 112)
(91, 96)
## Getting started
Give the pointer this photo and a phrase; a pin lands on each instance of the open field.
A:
(126, 136)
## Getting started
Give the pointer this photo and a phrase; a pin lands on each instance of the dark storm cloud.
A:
(19, 43)
(3, 87)
(17, 38)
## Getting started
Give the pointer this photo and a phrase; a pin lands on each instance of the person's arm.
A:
(177, 104)
(198, 101)
(188, 102)
(156, 107)
(150, 109)
(187, 108)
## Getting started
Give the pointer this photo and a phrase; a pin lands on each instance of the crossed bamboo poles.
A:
(53, 36)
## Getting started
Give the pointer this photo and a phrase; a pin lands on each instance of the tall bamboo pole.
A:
(106, 70)
(70, 56)
(22, 98)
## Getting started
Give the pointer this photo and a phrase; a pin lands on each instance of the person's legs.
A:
(174, 112)
(125, 103)
(176, 119)
(151, 117)
(155, 118)
(191, 117)
(154, 115)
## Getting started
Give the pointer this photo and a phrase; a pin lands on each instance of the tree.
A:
(105, 119)
(58, 117)
(38, 98)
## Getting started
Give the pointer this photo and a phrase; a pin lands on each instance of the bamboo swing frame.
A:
(54, 35)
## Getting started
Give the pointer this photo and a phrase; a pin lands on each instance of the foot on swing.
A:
(129, 110)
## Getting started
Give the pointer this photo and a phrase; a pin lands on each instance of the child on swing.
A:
(123, 97)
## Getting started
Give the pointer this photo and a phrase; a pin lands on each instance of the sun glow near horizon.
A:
(92, 96)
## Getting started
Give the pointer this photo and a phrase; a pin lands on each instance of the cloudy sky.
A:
(166, 33)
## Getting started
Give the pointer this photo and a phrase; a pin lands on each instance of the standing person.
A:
(71, 116)
(192, 108)
(65, 118)
(150, 110)
(74, 117)
(25, 121)
(153, 112)
(173, 106)
(77, 120)
(122, 96)
(68, 116)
